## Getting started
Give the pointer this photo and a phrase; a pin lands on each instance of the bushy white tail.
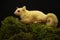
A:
(52, 19)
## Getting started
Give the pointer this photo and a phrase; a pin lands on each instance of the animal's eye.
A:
(18, 10)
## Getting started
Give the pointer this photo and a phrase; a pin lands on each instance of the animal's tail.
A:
(52, 19)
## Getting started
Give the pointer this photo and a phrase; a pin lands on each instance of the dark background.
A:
(8, 7)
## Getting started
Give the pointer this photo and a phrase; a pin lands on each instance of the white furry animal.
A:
(36, 16)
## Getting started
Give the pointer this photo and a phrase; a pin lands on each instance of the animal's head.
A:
(20, 11)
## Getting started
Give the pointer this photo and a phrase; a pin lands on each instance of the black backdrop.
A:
(8, 6)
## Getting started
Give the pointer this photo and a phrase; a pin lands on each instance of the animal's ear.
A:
(24, 7)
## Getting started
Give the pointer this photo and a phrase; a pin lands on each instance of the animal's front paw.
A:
(35, 22)
(21, 20)
(25, 21)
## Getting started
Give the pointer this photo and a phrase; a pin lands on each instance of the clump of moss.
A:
(13, 29)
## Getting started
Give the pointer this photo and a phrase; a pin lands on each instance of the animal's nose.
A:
(14, 12)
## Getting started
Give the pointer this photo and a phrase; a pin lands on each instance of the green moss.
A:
(13, 29)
